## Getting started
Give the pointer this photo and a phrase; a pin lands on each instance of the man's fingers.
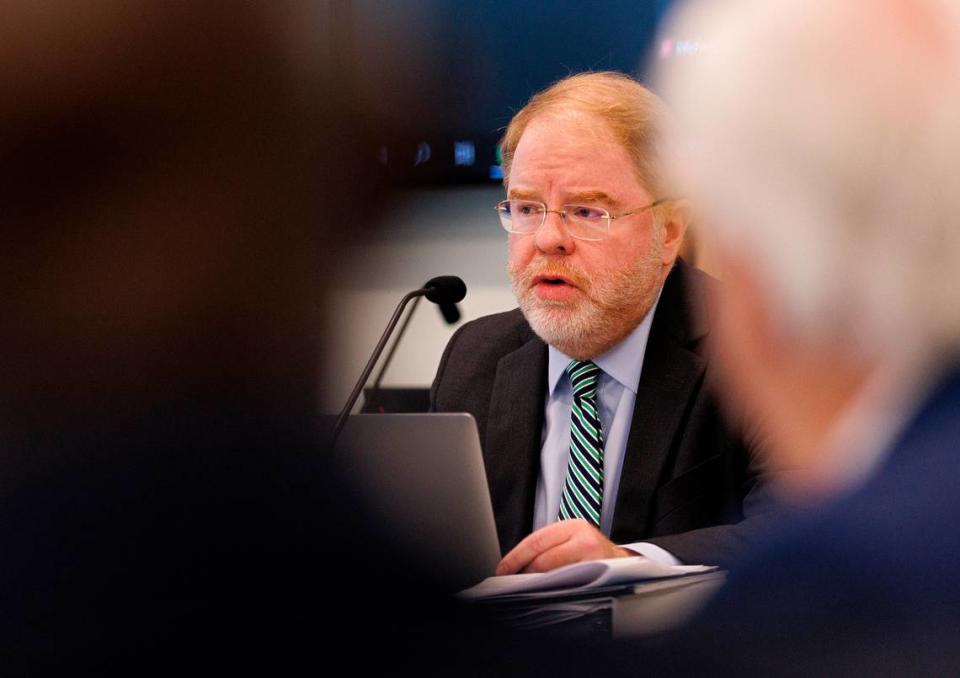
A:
(584, 542)
(558, 556)
(535, 544)
(560, 544)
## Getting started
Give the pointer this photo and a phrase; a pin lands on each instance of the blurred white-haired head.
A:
(822, 139)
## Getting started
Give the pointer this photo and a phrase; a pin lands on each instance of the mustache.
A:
(550, 269)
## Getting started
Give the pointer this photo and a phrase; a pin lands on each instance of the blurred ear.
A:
(676, 215)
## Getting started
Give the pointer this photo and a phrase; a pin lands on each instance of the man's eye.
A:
(526, 208)
(586, 213)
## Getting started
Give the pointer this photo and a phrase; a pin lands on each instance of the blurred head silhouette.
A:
(156, 235)
(819, 140)
(158, 322)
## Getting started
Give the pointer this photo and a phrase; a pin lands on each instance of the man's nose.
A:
(553, 237)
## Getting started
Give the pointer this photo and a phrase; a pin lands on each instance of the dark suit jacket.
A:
(687, 477)
(866, 586)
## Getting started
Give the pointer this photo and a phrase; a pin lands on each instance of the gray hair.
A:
(825, 137)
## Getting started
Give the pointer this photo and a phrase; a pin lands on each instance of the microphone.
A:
(445, 289)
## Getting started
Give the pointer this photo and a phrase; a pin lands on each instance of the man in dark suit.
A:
(646, 459)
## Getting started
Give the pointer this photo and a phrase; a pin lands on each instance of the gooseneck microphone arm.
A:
(393, 348)
(441, 290)
(352, 400)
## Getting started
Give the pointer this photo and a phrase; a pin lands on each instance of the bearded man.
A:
(600, 432)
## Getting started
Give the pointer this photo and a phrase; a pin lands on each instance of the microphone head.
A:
(445, 289)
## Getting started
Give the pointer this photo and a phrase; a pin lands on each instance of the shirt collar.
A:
(620, 362)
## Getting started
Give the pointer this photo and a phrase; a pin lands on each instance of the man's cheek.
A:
(518, 258)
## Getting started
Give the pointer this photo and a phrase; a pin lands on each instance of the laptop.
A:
(421, 483)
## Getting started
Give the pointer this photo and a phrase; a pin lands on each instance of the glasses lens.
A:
(521, 216)
(503, 211)
(586, 222)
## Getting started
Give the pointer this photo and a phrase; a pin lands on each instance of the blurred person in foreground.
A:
(821, 140)
(164, 503)
(158, 334)
(602, 435)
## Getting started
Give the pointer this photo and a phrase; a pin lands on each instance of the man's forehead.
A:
(569, 126)
(575, 154)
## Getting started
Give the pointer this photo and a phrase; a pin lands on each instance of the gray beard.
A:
(606, 311)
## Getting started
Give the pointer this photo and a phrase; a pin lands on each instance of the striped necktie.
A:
(583, 490)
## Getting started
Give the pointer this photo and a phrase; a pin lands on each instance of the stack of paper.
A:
(585, 576)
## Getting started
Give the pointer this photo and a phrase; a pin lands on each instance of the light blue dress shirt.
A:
(617, 393)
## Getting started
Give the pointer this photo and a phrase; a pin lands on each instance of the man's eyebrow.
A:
(592, 196)
(520, 194)
(572, 199)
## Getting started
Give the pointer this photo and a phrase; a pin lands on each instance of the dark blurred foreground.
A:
(171, 179)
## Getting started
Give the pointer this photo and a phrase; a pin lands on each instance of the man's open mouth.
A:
(552, 280)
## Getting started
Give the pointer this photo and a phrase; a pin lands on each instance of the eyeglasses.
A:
(583, 222)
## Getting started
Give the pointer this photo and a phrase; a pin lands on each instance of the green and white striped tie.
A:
(583, 490)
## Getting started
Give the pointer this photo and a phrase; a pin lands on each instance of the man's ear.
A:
(677, 215)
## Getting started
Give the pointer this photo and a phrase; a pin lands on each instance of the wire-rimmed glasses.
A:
(584, 222)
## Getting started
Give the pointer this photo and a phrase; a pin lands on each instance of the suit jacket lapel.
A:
(512, 445)
(671, 372)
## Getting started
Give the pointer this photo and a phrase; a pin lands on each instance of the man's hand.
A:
(557, 544)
